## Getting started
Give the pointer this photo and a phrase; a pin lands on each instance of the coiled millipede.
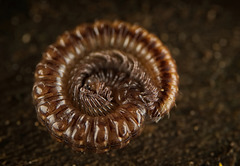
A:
(97, 84)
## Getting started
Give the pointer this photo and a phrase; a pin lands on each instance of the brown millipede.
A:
(97, 84)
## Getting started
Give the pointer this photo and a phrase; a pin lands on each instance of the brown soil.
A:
(204, 38)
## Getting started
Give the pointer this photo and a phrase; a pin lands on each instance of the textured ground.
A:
(204, 38)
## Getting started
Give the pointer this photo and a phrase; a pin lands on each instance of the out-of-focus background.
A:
(203, 37)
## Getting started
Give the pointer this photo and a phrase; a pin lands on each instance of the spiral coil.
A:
(96, 85)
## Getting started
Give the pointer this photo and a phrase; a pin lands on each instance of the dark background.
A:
(204, 38)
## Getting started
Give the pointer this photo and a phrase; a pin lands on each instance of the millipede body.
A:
(97, 84)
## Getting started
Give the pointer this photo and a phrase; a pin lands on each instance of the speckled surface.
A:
(204, 38)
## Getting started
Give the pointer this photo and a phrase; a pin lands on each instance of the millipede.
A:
(98, 83)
